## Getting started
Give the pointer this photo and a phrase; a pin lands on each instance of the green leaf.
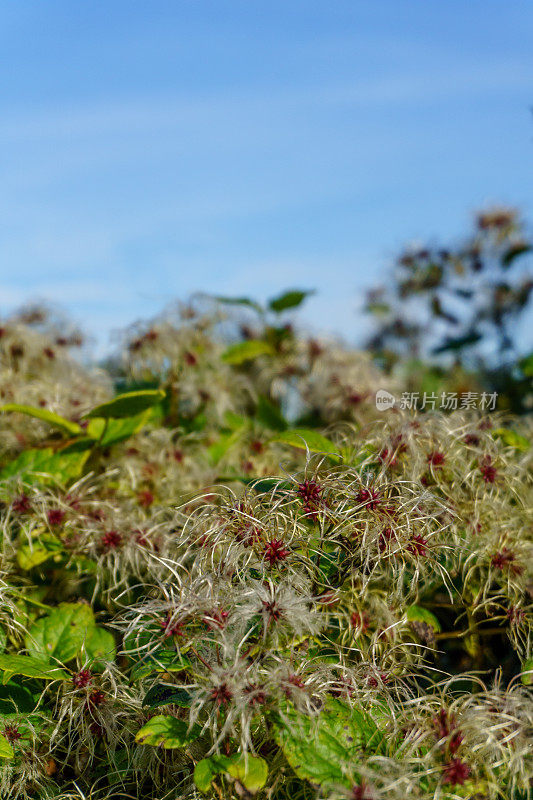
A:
(458, 343)
(512, 438)
(225, 442)
(514, 251)
(30, 668)
(45, 466)
(160, 661)
(290, 299)
(80, 445)
(323, 749)
(6, 751)
(117, 430)
(162, 695)
(240, 301)
(526, 365)
(204, 772)
(250, 771)
(270, 416)
(167, 731)
(302, 438)
(527, 672)
(379, 309)
(100, 646)
(127, 405)
(46, 416)
(246, 351)
(261, 485)
(33, 553)
(236, 422)
(16, 699)
(62, 633)
(418, 614)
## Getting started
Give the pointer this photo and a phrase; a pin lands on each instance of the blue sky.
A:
(151, 149)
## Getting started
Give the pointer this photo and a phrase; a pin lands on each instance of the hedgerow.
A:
(226, 574)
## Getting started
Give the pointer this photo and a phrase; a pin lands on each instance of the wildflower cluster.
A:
(230, 575)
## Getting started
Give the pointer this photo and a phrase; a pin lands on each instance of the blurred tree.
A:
(460, 306)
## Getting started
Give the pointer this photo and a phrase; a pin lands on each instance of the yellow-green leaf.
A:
(45, 466)
(46, 416)
(169, 732)
(204, 773)
(246, 351)
(251, 772)
(38, 551)
(307, 439)
(511, 438)
(6, 751)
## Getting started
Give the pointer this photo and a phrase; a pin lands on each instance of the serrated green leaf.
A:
(167, 731)
(246, 351)
(6, 751)
(290, 299)
(322, 749)
(62, 633)
(30, 667)
(46, 416)
(127, 405)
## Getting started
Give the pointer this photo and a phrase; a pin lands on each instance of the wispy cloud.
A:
(182, 111)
